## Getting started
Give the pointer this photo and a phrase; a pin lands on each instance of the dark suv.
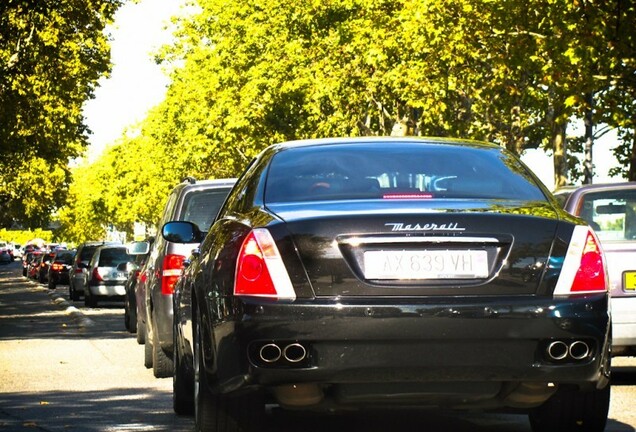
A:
(192, 201)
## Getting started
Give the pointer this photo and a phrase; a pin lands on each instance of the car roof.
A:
(601, 186)
(384, 139)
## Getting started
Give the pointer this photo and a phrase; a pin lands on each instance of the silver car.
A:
(79, 273)
(611, 210)
(108, 272)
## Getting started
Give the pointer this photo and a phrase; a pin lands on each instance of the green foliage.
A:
(251, 73)
(21, 237)
(51, 56)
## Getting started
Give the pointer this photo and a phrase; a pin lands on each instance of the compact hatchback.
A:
(108, 272)
(79, 273)
(393, 273)
(611, 210)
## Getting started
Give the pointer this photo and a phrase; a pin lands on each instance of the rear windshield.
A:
(66, 258)
(202, 206)
(113, 257)
(611, 213)
(397, 171)
(87, 253)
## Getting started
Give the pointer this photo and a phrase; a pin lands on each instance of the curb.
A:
(70, 310)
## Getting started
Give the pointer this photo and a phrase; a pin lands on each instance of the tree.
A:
(51, 56)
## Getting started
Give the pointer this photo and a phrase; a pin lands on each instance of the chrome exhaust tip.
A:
(557, 350)
(270, 353)
(579, 350)
(294, 353)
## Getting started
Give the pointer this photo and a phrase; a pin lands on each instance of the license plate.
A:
(629, 281)
(426, 264)
(119, 275)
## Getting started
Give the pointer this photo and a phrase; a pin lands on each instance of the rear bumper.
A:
(498, 341)
(110, 290)
(623, 321)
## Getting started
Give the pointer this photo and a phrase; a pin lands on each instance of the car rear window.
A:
(612, 213)
(87, 253)
(397, 170)
(202, 206)
(66, 258)
(113, 257)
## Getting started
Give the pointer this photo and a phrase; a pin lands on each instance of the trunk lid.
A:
(422, 248)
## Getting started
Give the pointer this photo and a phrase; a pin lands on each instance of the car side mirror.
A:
(181, 232)
(138, 248)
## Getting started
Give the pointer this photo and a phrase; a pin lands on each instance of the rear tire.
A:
(572, 410)
(73, 295)
(89, 300)
(130, 315)
(147, 349)
(219, 412)
(141, 332)
(161, 362)
(182, 382)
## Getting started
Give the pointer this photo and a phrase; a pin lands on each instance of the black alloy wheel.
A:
(161, 362)
(182, 381)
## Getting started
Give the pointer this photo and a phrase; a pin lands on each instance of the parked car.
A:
(6, 252)
(17, 251)
(140, 301)
(346, 273)
(79, 274)
(33, 269)
(44, 265)
(5, 256)
(108, 271)
(140, 251)
(58, 272)
(191, 200)
(27, 257)
(611, 210)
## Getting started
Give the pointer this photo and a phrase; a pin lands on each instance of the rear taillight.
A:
(57, 266)
(584, 265)
(96, 276)
(260, 270)
(172, 266)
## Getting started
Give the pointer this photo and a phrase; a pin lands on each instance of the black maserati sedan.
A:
(379, 273)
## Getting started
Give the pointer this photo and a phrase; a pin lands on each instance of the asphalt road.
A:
(64, 367)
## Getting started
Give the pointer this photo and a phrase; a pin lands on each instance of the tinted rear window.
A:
(113, 257)
(397, 170)
(87, 253)
(202, 206)
(66, 258)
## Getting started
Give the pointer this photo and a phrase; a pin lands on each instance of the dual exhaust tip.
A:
(568, 351)
(292, 353)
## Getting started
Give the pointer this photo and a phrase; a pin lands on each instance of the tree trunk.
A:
(632, 159)
(588, 165)
(559, 144)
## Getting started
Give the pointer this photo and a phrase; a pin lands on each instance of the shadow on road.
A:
(117, 409)
(35, 317)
